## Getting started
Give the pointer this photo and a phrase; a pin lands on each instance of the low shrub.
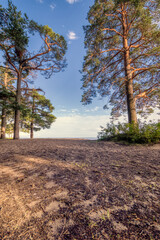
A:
(131, 133)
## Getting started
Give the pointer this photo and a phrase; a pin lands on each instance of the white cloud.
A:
(41, 1)
(96, 109)
(72, 35)
(52, 6)
(63, 110)
(72, 1)
(93, 109)
(74, 110)
(87, 110)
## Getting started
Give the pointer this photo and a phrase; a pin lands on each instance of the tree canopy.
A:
(39, 115)
(122, 60)
(16, 31)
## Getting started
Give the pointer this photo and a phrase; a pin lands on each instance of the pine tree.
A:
(7, 97)
(15, 31)
(122, 61)
(39, 115)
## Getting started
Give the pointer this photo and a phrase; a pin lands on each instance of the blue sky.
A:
(66, 17)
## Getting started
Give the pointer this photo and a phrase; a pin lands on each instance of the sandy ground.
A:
(78, 189)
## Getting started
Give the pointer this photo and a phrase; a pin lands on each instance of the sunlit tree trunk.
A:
(18, 102)
(3, 123)
(4, 112)
(32, 120)
(131, 105)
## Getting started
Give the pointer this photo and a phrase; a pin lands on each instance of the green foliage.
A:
(13, 30)
(7, 96)
(16, 30)
(104, 72)
(38, 111)
(139, 133)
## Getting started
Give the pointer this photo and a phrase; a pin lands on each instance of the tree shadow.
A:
(52, 189)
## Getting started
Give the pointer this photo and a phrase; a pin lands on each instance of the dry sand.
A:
(78, 189)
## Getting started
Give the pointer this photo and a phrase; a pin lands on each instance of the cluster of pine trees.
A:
(122, 62)
(22, 107)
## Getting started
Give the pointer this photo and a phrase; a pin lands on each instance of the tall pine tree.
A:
(122, 61)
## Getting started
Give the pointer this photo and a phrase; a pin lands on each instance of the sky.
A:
(74, 120)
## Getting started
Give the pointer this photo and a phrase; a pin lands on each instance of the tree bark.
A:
(131, 104)
(31, 131)
(17, 110)
(4, 111)
(3, 123)
(32, 120)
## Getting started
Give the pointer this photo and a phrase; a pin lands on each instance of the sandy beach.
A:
(78, 189)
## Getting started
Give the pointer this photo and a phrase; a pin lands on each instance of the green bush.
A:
(139, 133)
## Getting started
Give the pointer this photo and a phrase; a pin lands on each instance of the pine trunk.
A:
(131, 105)
(31, 131)
(17, 110)
(4, 111)
(3, 123)
(32, 120)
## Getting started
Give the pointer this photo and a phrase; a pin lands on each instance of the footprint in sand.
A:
(38, 214)
(53, 206)
(33, 204)
(50, 174)
(50, 184)
(61, 194)
(119, 227)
